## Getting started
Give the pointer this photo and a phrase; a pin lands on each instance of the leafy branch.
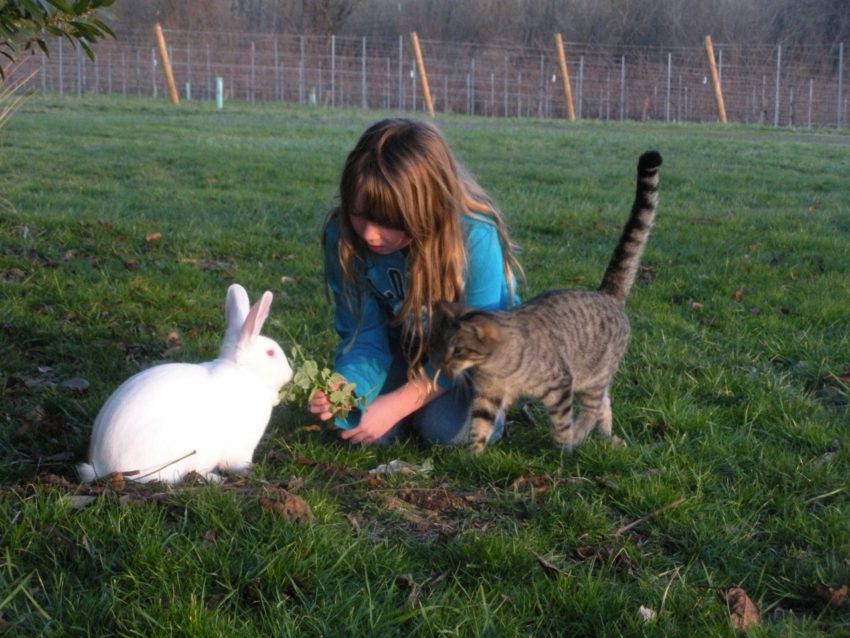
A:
(25, 24)
(309, 378)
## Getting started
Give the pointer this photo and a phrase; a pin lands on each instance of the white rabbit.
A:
(177, 418)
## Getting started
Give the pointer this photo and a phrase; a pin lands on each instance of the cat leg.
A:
(484, 410)
(595, 412)
(606, 417)
(559, 401)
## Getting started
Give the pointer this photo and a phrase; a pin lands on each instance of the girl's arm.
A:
(390, 408)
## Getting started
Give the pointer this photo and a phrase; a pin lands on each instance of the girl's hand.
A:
(321, 405)
(378, 418)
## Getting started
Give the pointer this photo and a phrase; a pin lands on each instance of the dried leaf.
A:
(77, 501)
(153, 237)
(646, 614)
(743, 612)
(74, 385)
(290, 506)
(116, 481)
(551, 570)
(740, 293)
(832, 596)
(210, 537)
(397, 466)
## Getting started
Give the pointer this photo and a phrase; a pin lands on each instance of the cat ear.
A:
(450, 309)
(485, 330)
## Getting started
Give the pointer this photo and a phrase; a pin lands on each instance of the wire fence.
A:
(774, 86)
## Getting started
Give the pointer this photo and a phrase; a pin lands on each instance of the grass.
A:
(123, 221)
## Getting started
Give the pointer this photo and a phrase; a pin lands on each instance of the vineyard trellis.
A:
(802, 87)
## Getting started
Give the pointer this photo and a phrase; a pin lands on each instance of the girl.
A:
(411, 228)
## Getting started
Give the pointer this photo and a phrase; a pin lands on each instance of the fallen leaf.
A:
(77, 501)
(646, 614)
(291, 507)
(397, 466)
(695, 305)
(832, 596)
(74, 385)
(740, 293)
(116, 481)
(743, 612)
(152, 237)
(550, 569)
(310, 428)
(210, 537)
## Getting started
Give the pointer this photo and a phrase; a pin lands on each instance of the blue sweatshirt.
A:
(366, 351)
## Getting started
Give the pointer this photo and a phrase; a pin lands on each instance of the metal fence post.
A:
(669, 87)
(333, 70)
(364, 102)
(840, 113)
(776, 94)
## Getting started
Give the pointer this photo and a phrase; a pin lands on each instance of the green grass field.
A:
(122, 223)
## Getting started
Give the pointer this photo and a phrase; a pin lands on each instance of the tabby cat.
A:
(560, 344)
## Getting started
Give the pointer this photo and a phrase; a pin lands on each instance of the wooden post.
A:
(565, 78)
(166, 64)
(423, 77)
(715, 80)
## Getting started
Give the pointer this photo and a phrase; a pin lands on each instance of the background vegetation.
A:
(529, 23)
(123, 221)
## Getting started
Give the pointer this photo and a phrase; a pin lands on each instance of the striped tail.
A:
(622, 269)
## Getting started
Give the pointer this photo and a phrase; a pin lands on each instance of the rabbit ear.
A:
(236, 306)
(235, 311)
(255, 319)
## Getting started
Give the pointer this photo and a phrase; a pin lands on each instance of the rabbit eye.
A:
(270, 353)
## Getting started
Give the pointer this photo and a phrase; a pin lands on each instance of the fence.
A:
(768, 85)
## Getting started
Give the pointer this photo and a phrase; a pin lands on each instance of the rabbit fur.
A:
(176, 418)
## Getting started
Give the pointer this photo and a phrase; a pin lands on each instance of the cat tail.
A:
(622, 269)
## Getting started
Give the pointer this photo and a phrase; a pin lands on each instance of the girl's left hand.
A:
(378, 418)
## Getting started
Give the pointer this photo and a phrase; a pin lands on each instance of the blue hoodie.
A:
(366, 351)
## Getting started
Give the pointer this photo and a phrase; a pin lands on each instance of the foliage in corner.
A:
(25, 24)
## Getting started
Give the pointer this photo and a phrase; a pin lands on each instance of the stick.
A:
(643, 519)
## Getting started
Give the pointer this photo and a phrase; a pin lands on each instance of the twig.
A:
(159, 469)
(643, 519)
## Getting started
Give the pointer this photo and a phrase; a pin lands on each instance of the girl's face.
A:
(379, 239)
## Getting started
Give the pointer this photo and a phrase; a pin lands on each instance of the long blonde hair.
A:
(402, 175)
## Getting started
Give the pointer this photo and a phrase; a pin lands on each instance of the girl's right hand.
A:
(320, 405)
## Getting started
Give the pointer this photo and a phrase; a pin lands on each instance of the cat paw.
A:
(565, 441)
(477, 448)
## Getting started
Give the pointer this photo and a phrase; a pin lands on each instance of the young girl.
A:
(411, 228)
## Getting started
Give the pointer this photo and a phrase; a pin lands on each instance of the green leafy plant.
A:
(25, 24)
(309, 378)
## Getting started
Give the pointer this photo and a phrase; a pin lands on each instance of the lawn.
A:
(122, 222)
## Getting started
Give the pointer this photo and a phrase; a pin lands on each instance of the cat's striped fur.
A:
(561, 346)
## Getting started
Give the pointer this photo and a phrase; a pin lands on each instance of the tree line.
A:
(527, 23)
